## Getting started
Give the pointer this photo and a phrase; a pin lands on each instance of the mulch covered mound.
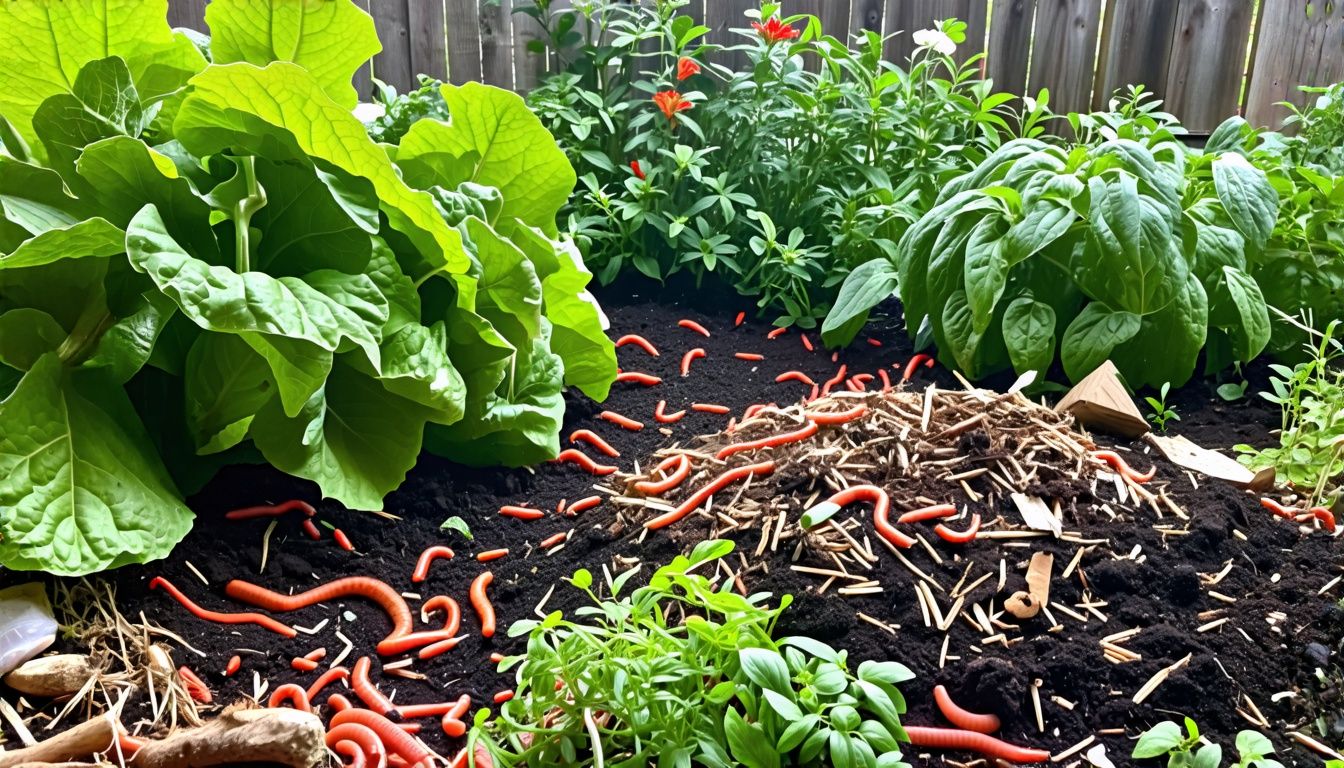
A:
(1152, 570)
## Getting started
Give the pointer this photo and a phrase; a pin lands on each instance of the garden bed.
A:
(1271, 596)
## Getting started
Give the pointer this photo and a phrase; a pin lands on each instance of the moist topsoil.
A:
(1279, 630)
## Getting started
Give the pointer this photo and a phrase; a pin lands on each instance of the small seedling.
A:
(1166, 738)
(1161, 412)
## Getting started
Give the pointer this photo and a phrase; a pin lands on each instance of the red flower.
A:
(687, 67)
(774, 30)
(639, 172)
(671, 102)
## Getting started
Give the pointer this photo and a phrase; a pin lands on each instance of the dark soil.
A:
(1275, 567)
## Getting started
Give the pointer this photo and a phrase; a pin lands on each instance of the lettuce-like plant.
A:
(203, 263)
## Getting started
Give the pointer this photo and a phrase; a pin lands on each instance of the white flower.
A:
(367, 113)
(935, 39)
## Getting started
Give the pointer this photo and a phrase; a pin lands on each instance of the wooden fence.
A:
(1207, 59)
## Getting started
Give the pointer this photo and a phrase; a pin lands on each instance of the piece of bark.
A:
(52, 676)
(1100, 401)
(85, 739)
(1184, 453)
(283, 736)
(1037, 514)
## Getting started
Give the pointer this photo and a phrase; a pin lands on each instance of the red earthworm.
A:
(196, 687)
(621, 421)
(496, 657)
(491, 554)
(929, 363)
(503, 696)
(1120, 465)
(439, 709)
(635, 377)
(345, 748)
(881, 511)
(437, 552)
(1326, 517)
(129, 744)
(802, 433)
(274, 510)
(352, 586)
(342, 540)
(481, 602)
(873, 342)
(303, 665)
(836, 379)
(711, 408)
(367, 745)
(749, 356)
(453, 727)
(836, 417)
(675, 468)
(366, 690)
(814, 394)
(961, 717)
(317, 654)
(807, 343)
(521, 513)
(713, 487)
(959, 537)
(753, 411)
(441, 647)
(775, 334)
(886, 380)
(911, 366)
(311, 529)
(584, 461)
(854, 385)
(741, 318)
(592, 438)
(584, 504)
(221, 618)
(798, 376)
(452, 722)
(393, 738)
(927, 513)
(970, 741)
(861, 378)
(687, 358)
(327, 678)
(411, 728)
(691, 325)
(452, 612)
(1278, 509)
(235, 664)
(338, 703)
(662, 417)
(560, 506)
(835, 356)
(639, 341)
(289, 692)
(408, 642)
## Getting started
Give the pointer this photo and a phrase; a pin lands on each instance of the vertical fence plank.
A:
(1010, 44)
(899, 22)
(528, 66)
(834, 14)
(428, 38)
(363, 80)
(393, 64)
(497, 43)
(1299, 43)
(722, 16)
(464, 40)
(1208, 56)
(1135, 47)
(865, 15)
(1064, 52)
(187, 13)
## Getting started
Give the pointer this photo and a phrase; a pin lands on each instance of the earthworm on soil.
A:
(807, 343)
(441, 647)
(1120, 465)
(294, 694)
(635, 377)
(970, 741)
(265, 622)
(394, 739)
(714, 408)
(481, 602)
(927, 513)
(317, 654)
(621, 421)
(691, 325)
(196, 687)
(754, 357)
(886, 380)
(1326, 517)
(584, 504)
(584, 461)
(311, 529)
(961, 717)
(913, 365)
(662, 417)
(521, 513)
(775, 334)
(1278, 509)
(714, 486)
(342, 540)
(364, 746)
(688, 358)
(452, 722)
(741, 318)
(639, 341)
(798, 376)
(438, 552)
(327, 678)
(235, 664)
(353, 586)
(837, 417)
(491, 554)
(836, 379)
(592, 438)
(673, 478)
(959, 537)
(338, 703)
(273, 510)
(503, 696)
(881, 511)
(303, 665)
(807, 430)
(366, 690)
(873, 342)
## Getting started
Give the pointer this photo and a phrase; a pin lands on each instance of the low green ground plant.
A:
(1187, 749)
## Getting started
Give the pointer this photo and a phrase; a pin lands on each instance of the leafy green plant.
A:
(1310, 454)
(1166, 738)
(211, 262)
(1161, 413)
(1125, 246)
(401, 111)
(682, 673)
(1320, 129)
(780, 175)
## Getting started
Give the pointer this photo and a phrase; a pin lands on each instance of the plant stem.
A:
(243, 210)
(93, 322)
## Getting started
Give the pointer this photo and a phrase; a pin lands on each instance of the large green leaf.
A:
(1128, 259)
(304, 227)
(353, 438)
(102, 103)
(985, 270)
(1237, 306)
(81, 489)
(226, 384)
(1246, 193)
(26, 334)
(128, 343)
(1029, 332)
(45, 43)
(1166, 348)
(415, 366)
(871, 283)
(89, 238)
(508, 290)
(329, 38)
(281, 113)
(958, 334)
(509, 147)
(1091, 337)
(34, 200)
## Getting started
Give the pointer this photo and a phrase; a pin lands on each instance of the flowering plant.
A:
(779, 175)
